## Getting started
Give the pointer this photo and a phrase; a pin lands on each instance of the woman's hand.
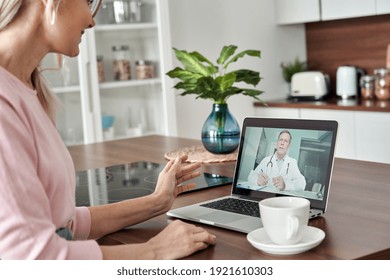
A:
(171, 180)
(176, 241)
(179, 240)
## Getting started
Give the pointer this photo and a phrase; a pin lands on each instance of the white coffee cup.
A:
(285, 218)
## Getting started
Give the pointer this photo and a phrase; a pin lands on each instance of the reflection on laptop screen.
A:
(286, 161)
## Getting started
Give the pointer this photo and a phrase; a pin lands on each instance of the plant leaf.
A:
(191, 63)
(227, 51)
(289, 69)
(252, 92)
(206, 84)
(248, 76)
(223, 97)
(226, 81)
(184, 75)
(242, 54)
(212, 68)
(186, 86)
(208, 81)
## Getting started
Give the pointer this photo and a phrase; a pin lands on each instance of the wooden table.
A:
(357, 222)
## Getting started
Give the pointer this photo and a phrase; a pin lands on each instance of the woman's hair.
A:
(8, 10)
(49, 102)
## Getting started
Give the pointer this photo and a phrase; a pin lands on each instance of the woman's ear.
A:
(51, 8)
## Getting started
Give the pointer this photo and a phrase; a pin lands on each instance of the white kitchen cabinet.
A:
(297, 11)
(139, 106)
(361, 135)
(302, 11)
(65, 84)
(341, 9)
(382, 7)
(345, 145)
(372, 136)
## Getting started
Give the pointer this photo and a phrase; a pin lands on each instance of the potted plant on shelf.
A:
(199, 76)
(290, 68)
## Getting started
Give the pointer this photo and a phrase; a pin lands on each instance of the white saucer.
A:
(311, 238)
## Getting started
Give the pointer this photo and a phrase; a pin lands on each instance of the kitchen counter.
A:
(356, 223)
(332, 104)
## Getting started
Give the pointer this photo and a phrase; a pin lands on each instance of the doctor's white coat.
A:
(289, 170)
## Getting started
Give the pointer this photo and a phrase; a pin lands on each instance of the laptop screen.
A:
(286, 157)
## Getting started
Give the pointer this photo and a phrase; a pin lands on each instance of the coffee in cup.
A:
(285, 218)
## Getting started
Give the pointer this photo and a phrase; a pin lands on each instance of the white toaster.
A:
(309, 85)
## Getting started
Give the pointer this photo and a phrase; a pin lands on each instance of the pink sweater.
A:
(37, 183)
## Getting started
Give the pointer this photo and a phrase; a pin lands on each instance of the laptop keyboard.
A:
(245, 207)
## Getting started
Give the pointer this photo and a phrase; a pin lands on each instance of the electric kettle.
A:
(347, 81)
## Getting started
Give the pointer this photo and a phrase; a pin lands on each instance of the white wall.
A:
(208, 25)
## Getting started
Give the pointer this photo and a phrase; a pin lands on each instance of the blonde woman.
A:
(38, 216)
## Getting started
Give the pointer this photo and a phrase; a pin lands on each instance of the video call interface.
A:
(286, 161)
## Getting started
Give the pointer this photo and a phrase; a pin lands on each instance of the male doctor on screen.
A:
(279, 170)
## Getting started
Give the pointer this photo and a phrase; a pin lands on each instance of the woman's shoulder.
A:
(11, 88)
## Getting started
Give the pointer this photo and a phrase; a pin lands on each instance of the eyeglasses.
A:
(94, 6)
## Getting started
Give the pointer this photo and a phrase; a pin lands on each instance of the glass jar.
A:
(144, 69)
(100, 68)
(121, 63)
(367, 86)
(106, 13)
(382, 83)
(121, 11)
(135, 10)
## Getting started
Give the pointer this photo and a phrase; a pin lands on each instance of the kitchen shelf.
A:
(332, 104)
(67, 89)
(144, 105)
(130, 83)
(125, 26)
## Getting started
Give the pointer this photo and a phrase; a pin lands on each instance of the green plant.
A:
(209, 81)
(289, 69)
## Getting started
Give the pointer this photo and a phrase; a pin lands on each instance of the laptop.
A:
(305, 166)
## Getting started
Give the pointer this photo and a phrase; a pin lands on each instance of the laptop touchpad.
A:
(220, 217)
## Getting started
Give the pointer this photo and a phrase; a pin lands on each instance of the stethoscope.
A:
(270, 163)
(270, 160)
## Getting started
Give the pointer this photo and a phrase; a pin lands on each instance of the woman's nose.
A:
(92, 24)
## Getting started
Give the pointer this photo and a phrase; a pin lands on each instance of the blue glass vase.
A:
(221, 132)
